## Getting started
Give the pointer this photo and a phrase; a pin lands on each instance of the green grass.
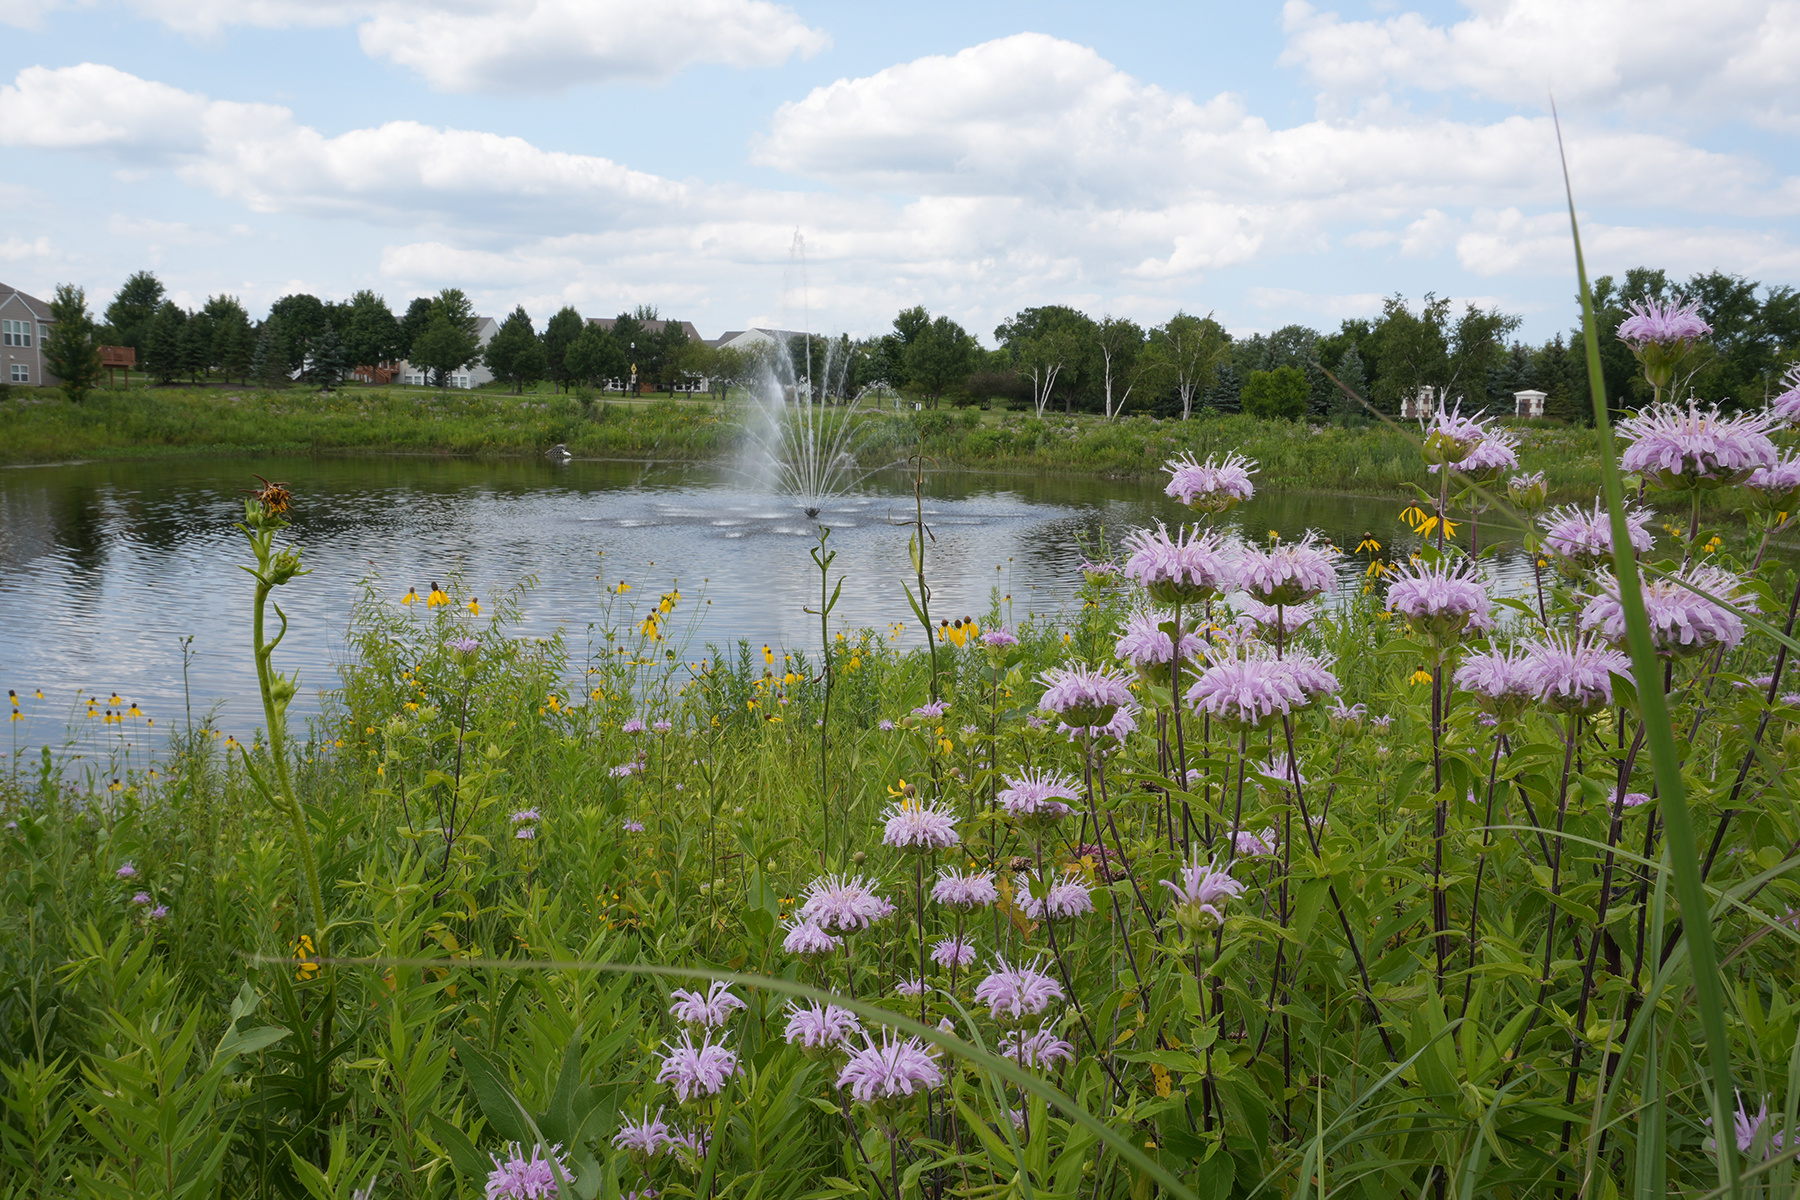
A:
(160, 422)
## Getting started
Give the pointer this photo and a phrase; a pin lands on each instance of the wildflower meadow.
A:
(1277, 868)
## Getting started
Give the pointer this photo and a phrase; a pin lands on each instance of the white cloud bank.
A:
(1023, 170)
(512, 45)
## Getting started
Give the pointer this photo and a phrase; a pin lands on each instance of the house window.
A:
(21, 373)
(16, 333)
(43, 333)
(461, 381)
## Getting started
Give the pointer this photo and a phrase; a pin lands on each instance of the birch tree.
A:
(1186, 351)
(1121, 348)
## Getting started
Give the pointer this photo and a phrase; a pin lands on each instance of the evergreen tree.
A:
(233, 343)
(70, 351)
(163, 343)
(263, 361)
(1344, 407)
(128, 317)
(197, 345)
(515, 355)
(325, 359)
(559, 335)
(370, 334)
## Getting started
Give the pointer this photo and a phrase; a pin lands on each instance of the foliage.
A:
(70, 350)
(516, 356)
(1278, 395)
(129, 315)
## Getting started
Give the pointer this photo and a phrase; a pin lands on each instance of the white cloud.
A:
(13, 249)
(96, 107)
(1511, 242)
(526, 45)
(1666, 58)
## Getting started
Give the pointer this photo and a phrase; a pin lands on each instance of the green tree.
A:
(301, 318)
(1185, 353)
(1050, 346)
(163, 343)
(515, 355)
(326, 361)
(629, 332)
(418, 316)
(71, 352)
(671, 349)
(370, 333)
(443, 348)
(1344, 405)
(233, 345)
(939, 357)
(197, 346)
(559, 335)
(594, 357)
(1281, 394)
(128, 317)
(1121, 342)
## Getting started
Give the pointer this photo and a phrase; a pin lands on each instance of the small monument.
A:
(1420, 405)
(1529, 403)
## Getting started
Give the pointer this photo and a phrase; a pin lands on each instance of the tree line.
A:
(1047, 358)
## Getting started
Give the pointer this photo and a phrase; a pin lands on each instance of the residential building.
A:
(750, 339)
(24, 322)
(469, 377)
(687, 327)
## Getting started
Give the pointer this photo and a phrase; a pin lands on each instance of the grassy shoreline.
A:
(181, 423)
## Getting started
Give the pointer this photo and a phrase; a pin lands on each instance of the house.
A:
(469, 377)
(750, 339)
(687, 327)
(1529, 403)
(24, 323)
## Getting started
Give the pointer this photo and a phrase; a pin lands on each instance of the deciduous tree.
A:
(71, 352)
(1185, 352)
(515, 355)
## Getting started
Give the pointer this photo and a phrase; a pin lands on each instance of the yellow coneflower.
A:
(116, 699)
(1368, 545)
(134, 711)
(474, 606)
(437, 597)
(768, 655)
(1420, 676)
(411, 598)
(13, 696)
(622, 588)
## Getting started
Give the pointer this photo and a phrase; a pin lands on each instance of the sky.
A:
(827, 163)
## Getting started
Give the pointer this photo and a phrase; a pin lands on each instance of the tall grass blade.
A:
(1665, 756)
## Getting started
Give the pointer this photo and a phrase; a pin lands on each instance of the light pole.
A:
(634, 368)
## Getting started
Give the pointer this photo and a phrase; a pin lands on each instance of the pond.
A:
(106, 567)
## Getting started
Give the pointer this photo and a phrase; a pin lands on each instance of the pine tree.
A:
(262, 361)
(162, 344)
(325, 359)
(129, 316)
(70, 351)
(1350, 373)
(559, 335)
(515, 355)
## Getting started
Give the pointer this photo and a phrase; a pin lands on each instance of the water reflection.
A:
(103, 567)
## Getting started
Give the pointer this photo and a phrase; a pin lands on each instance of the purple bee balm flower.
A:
(1201, 893)
(953, 952)
(1777, 487)
(159, 912)
(836, 904)
(1185, 569)
(910, 988)
(1748, 1130)
(1146, 645)
(999, 639)
(933, 710)
(141, 898)
(634, 725)
(1527, 490)
(527, 834)
(1496, 452)
(1654, 322)
(662, 726)
(1673, 447)
(1346, 719)
(954, 889)
(1500, 681)
(809, 941)
(1682, 622)
(626, 769)
(695, 1071)
(1440, 600)
(1266, 620)
(1288, 572)
(820, 1027)
(1014, 993)
(884, 725)
(916, 826)
(1786, 407)
(1123, 723)
(465, 645)
(1065, 898)
(1038, 795)
(1281, 770)
(1247, 692)
(1211, 486)
(646, 1138)
(1573, 676)
(126, 871)
(1635, 799)
(709, 1011)
(969, 731)
(524, 815)
(694, 1143)
(1041, 1050)
(516, 1177)
(1084, 697)
(1450, 437)
(1583, 538)
(630, 826)
(890, 1070)
(1097, 572)
(1246, 844)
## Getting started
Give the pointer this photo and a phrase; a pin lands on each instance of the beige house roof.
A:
(687, 327)
(39, 309)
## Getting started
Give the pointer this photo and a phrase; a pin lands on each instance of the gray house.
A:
(469, 377)
(24, 320)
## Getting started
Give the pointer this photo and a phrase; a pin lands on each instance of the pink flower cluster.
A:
(1681, 620)
(1250, 691)
(820, 1027)
(1676, 447)
(1654, 322)
(1572, 675)
(837, 904)
(889, 1070)
(1038, 795)
(1440, 599)
(1211, 486)
(1062, 899)
(1288, 572)
(516, 1177)
(1014, 993)
(1189, 567)
(1041, 1049)
(915, 825)
(1145, 644)
(708, 1011)
(1201, 891)
(954, 889)
(694, 1071)
(1083, 696)
(1583, 537)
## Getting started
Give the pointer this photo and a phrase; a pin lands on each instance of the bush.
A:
(1281, 394)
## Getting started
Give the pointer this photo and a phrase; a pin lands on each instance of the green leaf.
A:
(498, 1104)
(464, 1157)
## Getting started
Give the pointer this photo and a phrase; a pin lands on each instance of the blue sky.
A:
(1265, 162)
